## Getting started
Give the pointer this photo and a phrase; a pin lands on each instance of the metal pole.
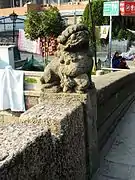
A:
(93, 33)
(4, 25)
(110, 42)
(21, 3)
(13, 3)
(75, 17)
(13, 31)
(59, 2)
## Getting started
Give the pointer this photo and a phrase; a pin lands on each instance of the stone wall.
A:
(31, 98)
(25, 151)
(115, 93)
(52, 140)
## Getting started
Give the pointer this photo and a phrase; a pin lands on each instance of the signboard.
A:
(111, 8)
(127, 8)
(104, 31)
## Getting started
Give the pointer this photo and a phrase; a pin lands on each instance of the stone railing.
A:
(115, 92)
(61, 121)
(61, 137)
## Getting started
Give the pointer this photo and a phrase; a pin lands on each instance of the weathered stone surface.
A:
(70, 70)
(67, 116)
(115, 93)
(66, 125)
(48, 142)
(25, 152)
(49, 115)
(31, 100)
(118, 157)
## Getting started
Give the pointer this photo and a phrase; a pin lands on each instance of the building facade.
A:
(5, 4)
(18, 3)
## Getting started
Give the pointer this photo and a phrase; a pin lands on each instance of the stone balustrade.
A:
(115, 93)
(61, 136)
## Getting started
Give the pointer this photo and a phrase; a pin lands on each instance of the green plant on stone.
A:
(30, 80)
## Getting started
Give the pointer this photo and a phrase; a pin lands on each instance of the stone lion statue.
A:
(70, 70)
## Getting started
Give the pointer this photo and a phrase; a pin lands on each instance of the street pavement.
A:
(118, 155)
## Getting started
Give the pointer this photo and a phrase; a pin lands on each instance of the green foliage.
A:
(118, 29)
(122, 34)
(98, 19)
(130, 36)
(32, 25)
(97, 13)
(52, 22)
(85, 17)
(30, 80)
(44, 24)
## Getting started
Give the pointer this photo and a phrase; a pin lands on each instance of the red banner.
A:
(48, 46)
(127, 8)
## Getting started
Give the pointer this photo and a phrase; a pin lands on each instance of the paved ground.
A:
(118, 156)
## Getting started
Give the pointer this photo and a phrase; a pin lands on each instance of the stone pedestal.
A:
(89, 103)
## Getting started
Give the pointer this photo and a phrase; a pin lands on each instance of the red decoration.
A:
(48, 46)
(127, 8)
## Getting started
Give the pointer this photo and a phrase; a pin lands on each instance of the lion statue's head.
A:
(73, 50)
